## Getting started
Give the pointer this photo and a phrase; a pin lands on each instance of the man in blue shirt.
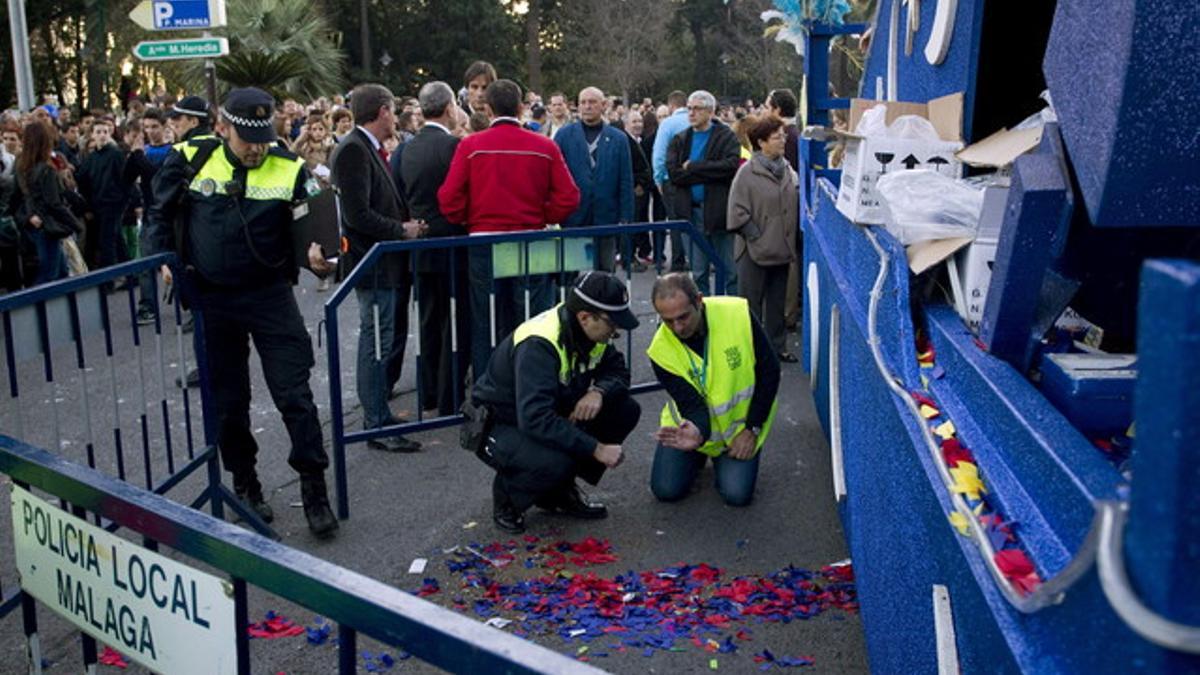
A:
(675, 122)
(701, 163)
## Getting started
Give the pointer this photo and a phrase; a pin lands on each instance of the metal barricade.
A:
(356, 603)
(83, 377)
(514, 265)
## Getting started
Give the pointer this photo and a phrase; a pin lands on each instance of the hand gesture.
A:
(608, 455)
(36, 221)
(587, 407)
(414, 229)
(743, 445)
(686, 436)
(317, 262)
(167, 277)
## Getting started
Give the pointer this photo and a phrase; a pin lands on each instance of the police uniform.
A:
(234, 241)
(533, 381)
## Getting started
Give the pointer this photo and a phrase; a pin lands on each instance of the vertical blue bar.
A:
(338, 431)
(241, 620)
(347, 650)
(1164, 516)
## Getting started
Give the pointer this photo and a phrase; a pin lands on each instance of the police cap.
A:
(606, 293)
(192, 106)
(250, 111)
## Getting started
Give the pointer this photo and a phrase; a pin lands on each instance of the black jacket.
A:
(230, 243)
(423, 167)
(372, 209)
(722, 156)
(521, 386)
(101, 178)
(42, 195)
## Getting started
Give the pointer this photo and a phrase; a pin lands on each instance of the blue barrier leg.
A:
(1164, 514)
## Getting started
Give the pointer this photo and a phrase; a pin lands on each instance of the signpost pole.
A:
(210, 75)
(20, 52)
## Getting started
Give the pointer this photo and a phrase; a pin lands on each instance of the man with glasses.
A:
(701, 163)
(558, 392)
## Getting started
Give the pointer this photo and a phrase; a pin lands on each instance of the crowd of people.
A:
(87, 192)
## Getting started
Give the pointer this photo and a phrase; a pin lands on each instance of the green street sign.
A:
(191, 48)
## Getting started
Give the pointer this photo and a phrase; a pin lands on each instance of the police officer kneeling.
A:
(225, 208)
(559, 395)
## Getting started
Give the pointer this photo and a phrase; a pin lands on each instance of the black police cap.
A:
(250, 111)
(192, 106)
(604, 292)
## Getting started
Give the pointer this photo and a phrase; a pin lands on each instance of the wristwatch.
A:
(755, 430)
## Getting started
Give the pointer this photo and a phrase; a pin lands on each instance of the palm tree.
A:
(281, 46)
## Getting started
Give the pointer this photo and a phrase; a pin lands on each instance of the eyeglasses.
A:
(698, 108)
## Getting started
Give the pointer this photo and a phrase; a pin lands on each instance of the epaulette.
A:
(277, 151)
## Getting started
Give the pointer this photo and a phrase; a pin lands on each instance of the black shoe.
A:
(321, 521)
(146, 316)
(394, 444)
(507, 519)
(189, 325)
(249, 491)
(571, 503)
(192, 381)
(788, 357)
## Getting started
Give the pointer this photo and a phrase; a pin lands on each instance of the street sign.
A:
(190, 48)
(167, 616)
(179, 14)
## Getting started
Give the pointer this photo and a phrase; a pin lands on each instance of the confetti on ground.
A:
(111, 657)
(273, 627)
(418, 566)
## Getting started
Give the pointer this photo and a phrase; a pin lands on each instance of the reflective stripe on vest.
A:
(274, 180)
(547, 326)
(727, 386)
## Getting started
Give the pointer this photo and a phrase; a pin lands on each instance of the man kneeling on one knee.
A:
(721, 372)
(559, 395)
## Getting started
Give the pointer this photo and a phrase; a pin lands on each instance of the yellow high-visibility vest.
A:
(547, 326)
(724, 374)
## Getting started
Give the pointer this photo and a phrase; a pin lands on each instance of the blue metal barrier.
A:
(77, 319)
(523, 241)
(356, 603)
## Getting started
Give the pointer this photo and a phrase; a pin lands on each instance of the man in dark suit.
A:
(423, 169)
(373, 210)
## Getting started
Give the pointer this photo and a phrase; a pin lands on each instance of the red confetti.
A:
(275, 626)
(922, 399)
(111, 657)
(954, 452)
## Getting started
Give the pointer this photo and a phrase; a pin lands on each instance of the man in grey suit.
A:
(442, 283)
(373, 210)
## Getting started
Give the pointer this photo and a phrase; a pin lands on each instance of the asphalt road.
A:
(419, 506)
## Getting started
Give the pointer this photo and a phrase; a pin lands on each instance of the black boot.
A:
(571, 502)
(504, 514)
(321, 521)
(249, 491)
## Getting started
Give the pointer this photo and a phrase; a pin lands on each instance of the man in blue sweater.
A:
(597, 155)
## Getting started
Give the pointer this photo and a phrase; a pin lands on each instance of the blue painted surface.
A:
(1039, 469)
(1128, 110)
(1036, 221)
(917, 80)
(1163, 535)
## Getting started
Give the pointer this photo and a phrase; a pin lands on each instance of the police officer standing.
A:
(225, 207)
(559, 395)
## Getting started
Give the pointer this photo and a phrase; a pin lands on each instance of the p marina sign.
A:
(167, 616)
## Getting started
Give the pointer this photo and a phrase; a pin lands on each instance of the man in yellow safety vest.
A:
(718, 367)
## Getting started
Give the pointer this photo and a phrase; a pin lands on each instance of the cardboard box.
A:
(867, 158)
(970, 274)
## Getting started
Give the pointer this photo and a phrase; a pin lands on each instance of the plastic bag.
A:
(912, 127)
(873, 122)
(921, 205)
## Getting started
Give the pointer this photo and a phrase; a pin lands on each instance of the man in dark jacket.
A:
(372, 211)
(701, 163)
(100, 183)
(423, 167)
(559, 393)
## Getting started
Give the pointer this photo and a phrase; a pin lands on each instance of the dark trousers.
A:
(510, 304)
(268, 315)
(528, 471)
(445, 353)
(678, 259)
(107, 221)
(765, 287)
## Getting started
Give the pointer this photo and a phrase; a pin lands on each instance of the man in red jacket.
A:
(505, 179)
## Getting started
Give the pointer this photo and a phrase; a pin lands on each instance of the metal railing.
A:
(564, 245)
(82, 376)
(356, 603)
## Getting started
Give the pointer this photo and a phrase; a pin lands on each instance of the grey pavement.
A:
(417, 506)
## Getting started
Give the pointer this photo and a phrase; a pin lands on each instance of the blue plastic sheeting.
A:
(1128, 109)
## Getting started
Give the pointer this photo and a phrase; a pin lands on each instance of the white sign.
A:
(158, 612)
(179, 14)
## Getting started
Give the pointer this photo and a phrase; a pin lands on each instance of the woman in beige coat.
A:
(764, 210)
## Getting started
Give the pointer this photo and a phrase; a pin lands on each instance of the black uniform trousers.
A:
(269, 315)
(528, 472)
(439, 386)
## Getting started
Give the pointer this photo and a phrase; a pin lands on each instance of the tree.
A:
(616, 40)
(282, 46)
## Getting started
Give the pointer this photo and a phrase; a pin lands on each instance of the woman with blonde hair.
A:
(314, 145)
